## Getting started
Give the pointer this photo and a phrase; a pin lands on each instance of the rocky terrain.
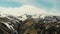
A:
(29, 24)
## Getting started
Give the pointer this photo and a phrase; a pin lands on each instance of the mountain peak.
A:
(28, 9)
(25, 9)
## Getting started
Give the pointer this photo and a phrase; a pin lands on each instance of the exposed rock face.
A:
(42, 25)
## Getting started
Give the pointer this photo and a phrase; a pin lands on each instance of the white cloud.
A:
(25, 9)
(28, 9)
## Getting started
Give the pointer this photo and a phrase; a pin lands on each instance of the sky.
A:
(6, 6)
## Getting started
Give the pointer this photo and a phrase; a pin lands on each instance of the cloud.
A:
(45, 4)
(25, 9)
(49, 5)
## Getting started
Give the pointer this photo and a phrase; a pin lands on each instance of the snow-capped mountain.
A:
(25, 9)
